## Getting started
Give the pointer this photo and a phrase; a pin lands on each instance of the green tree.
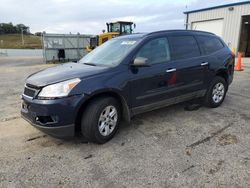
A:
(9, 28)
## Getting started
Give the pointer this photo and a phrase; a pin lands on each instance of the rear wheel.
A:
(101, 119)
(216, 92)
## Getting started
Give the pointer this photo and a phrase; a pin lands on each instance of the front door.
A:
(149, 86)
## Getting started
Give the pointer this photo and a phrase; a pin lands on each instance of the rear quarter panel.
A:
(225, 61)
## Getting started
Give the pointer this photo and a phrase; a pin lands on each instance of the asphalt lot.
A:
(170, 147)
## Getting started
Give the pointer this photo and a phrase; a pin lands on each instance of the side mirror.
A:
(140, 62)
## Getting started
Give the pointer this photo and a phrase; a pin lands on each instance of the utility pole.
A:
(22, 36)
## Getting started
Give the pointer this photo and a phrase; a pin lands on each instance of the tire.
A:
(216, 92)
(97, 125)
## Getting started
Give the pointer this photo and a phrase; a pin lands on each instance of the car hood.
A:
(63, 72)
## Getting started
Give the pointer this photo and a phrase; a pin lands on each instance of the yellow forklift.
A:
(114, 29)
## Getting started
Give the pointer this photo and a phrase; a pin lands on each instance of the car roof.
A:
(180, 32)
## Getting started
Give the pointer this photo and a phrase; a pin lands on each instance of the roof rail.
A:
(179, 30)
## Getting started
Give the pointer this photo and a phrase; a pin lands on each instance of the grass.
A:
(14, 41)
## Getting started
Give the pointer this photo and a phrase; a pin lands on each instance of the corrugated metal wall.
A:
(231, 23)
(72, 44)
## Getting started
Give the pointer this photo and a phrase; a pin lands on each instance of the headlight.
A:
(60, 89)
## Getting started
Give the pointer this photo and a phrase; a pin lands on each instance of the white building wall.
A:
(231, 21)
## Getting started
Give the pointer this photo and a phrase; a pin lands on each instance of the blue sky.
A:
(89, 17)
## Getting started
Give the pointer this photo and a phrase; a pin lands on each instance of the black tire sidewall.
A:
(209, 96)
(91, 129)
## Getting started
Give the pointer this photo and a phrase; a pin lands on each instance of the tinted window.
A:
(156, 51)
(209, 44)
(183, 47)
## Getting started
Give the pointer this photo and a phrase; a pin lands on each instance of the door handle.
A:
(204, 63)
(171, 70)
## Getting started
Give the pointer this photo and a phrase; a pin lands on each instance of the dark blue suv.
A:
(126, 76)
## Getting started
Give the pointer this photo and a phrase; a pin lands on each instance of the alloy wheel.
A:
(218, 92)
(107, 120)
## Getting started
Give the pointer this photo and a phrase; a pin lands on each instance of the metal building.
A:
(230, 21)
(68, 47)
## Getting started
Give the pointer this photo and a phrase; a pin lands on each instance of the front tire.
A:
(216, 92)
(100, 120)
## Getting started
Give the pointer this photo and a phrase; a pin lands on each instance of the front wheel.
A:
(101, 119)
(216, 92)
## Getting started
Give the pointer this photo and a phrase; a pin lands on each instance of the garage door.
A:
(213, 26)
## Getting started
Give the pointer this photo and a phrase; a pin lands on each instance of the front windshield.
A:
(110, 53)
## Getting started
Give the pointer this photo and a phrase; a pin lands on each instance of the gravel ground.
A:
(170, 147)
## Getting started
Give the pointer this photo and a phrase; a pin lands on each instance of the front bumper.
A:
(54, 117)
(59, 132)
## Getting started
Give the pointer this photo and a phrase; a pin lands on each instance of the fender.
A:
(126, 114)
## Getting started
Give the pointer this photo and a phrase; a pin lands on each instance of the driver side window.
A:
(156, 51)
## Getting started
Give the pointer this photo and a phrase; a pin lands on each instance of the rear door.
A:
(191, 67)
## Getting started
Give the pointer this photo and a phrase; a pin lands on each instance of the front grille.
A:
(32, 86)
(30, 92)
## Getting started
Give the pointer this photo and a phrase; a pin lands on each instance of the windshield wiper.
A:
(92, 64)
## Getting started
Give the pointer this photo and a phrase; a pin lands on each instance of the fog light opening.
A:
(45, 119)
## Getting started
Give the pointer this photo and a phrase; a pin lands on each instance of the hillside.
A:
(14, 41)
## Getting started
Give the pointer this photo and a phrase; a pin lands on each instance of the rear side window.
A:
(183, 47)
(156, 51)
(209, 44)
